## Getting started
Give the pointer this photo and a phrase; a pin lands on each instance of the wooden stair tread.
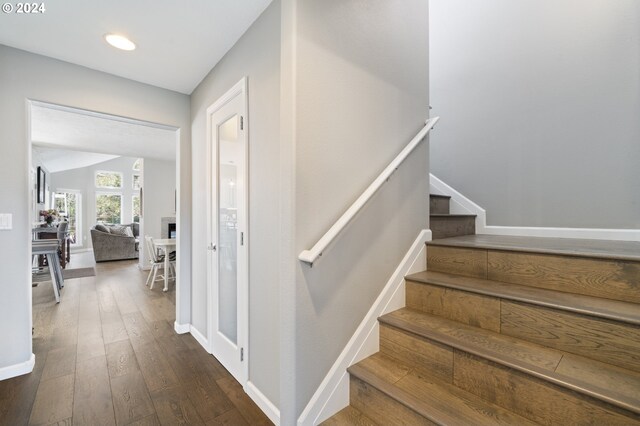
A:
(588, 377)
(349, 416)
(587, 305)
(605, 249)
(437, 401)
(440, 196)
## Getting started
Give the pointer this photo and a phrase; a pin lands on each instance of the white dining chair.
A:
(157, 261)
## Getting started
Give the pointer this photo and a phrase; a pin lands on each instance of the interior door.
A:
(228, 251)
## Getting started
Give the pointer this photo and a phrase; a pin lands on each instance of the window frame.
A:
(95, 180)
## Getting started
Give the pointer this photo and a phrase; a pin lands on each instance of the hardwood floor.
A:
(108, 355)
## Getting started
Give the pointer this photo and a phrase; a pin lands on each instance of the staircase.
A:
(507, 330)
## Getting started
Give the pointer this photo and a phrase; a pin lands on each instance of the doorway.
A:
(228, 250)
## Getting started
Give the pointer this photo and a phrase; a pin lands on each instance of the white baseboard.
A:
(204, 342)
(263, 402)
(462, 205)
(333, 393)
(16, 370)
(181, 328)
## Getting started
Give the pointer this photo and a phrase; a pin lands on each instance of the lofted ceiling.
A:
(58, 160)
(178, 42)
(66, 128)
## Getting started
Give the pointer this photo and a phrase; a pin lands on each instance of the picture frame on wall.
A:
(41, 177)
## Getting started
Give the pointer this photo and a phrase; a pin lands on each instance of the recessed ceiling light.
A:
(120, 42)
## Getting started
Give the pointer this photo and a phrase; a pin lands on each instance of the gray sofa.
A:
(108, 244)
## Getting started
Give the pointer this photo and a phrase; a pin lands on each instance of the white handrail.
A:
(310, 256)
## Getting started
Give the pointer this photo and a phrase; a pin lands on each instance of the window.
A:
(108, 180)
(108, 208)
(136, 181)
(69, 204)
(136, 209)
(136, 165)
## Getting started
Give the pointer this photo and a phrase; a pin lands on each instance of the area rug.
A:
(66, 273)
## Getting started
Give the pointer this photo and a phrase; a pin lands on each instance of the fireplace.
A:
(171, 230)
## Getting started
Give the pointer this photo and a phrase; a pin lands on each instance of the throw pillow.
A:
(100, 227)
(128, 231)
(119, 230)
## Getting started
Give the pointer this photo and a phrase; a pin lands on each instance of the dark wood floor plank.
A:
(155, 367)
(137, 328)
(230, 418)
(131, 398)
(54, 401)
(252, 414)
(18, 394)
(92, 403)
(60, 362)
(121, 359)
(205, 394)
(174, 407)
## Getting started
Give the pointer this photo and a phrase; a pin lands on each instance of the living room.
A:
(109, 201)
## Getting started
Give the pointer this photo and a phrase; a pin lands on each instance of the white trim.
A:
(333, 393)
(310, 256)
(181, 328)
(19, 369)
(462, 205)
(263, 402)
(204, 342)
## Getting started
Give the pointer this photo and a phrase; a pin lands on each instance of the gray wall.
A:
(27, 76)
(257, 56)
(360, 95)
(540, 108)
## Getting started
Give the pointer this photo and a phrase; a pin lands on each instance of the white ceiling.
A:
(58, 160)
(66, 128)
(178, 42)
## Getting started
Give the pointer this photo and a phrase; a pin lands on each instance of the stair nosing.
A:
(549, 376)
(540, 291)
(446, 242)
(440, 196)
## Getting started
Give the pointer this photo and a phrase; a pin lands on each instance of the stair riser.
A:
(609, 279)
(381, 408)
(600, 339)
(430, 358)
(445, 227)
(526, 395)
(533, 398)
(438, 205)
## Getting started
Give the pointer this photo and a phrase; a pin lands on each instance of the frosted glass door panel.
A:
(228, 229)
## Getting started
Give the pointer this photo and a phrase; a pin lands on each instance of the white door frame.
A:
(239, 89)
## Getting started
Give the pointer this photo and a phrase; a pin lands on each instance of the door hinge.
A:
(242, 238)
(241, 123)
(241, 354)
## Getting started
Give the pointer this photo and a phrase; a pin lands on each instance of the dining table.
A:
(166, 245)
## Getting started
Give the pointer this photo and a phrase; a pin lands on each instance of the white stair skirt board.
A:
(462, 205)
(333, 393)
(263, 402)
(181, 328)
(19, 369)
(204, 342)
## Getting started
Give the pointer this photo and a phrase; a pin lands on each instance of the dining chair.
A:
(157, 261)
